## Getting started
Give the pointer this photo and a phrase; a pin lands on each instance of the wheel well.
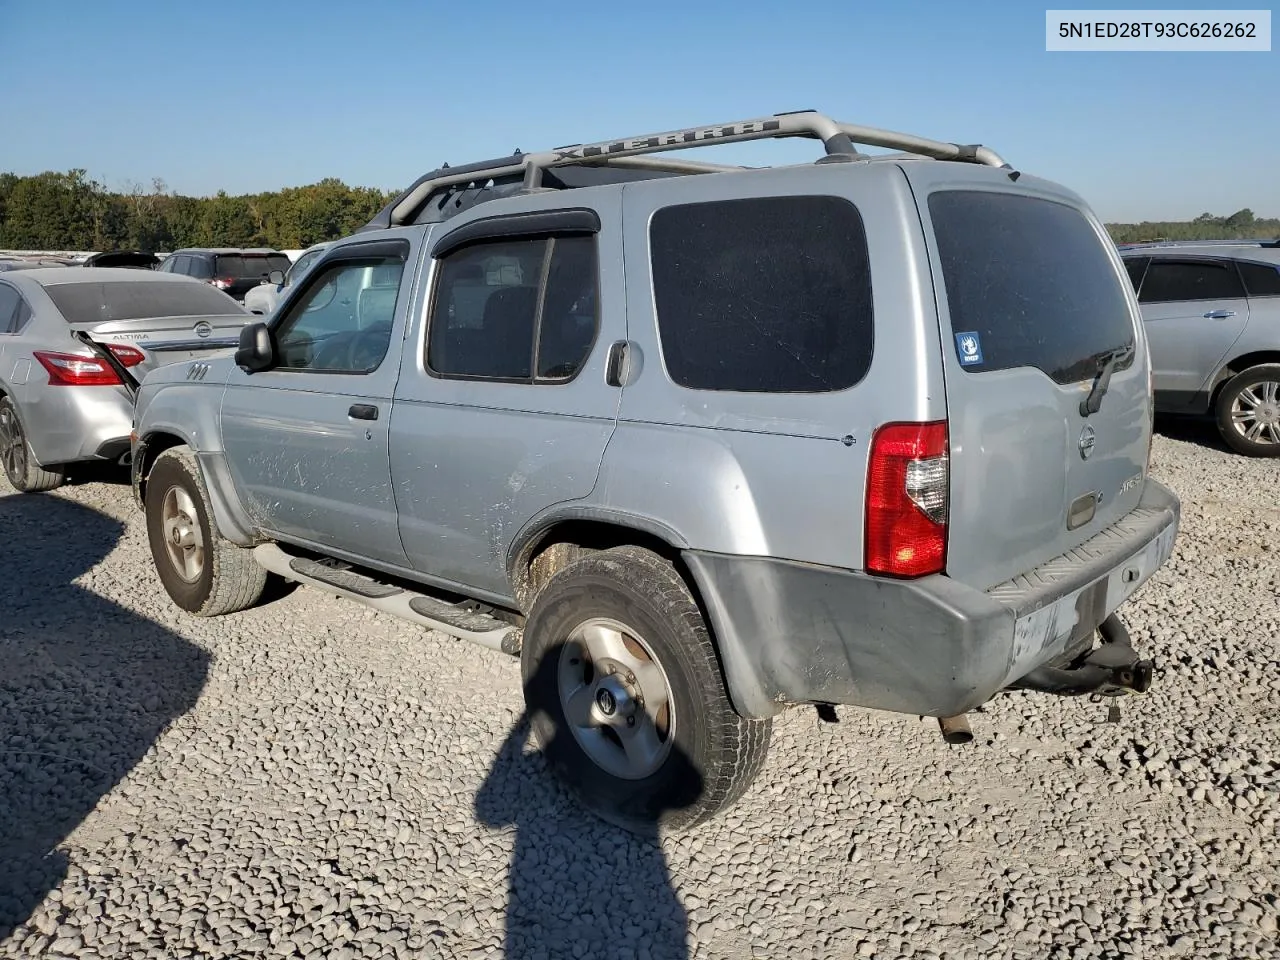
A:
(1239, 365)
(561, 544)
(156, 444)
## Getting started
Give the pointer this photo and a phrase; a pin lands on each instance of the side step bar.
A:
(417, 608)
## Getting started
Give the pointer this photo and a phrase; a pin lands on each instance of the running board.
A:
(417, 608)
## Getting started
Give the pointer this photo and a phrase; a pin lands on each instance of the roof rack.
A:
(1150, 244)
(524, 172)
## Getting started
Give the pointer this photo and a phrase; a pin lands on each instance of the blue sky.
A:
(241, 96)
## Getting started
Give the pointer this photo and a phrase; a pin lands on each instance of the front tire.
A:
(20, 467)
(1248, 411)
(625, 696)
(202, 573)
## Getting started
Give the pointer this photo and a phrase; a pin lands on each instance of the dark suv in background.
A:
(234, 271)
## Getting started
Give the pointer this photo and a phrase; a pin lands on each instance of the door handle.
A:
(363, 411)
(1219, 314)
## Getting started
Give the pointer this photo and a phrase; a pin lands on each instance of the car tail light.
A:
(908, 490)
(222, 283)
(73, 370)
(128, 356)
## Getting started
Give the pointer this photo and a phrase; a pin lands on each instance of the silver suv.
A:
(1212, 315)
(697, 443)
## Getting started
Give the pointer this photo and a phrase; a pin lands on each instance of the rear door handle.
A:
(363, 411)
(1219, 314)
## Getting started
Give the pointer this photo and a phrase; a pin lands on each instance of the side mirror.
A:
(276, 277)
(256, 351)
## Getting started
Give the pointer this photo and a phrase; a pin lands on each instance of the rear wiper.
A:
(1110, 359)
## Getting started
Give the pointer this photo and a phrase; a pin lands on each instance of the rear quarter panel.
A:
(770, 474)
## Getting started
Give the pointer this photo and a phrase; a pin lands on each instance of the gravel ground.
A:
(308, 779)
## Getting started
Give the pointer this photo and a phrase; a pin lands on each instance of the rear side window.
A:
(199, 268)
(1260, 279)
(1029, 284)
(768, 295)
(137, 300)
(1170, 281)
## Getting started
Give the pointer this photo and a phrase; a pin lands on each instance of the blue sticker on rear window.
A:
(970, 348)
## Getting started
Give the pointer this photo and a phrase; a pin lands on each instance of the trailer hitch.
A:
(1110, 670)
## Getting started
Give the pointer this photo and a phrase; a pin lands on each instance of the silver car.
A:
(75, 341)
(1212, 315)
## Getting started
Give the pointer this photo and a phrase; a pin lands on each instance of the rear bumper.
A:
(68, 424)
(791, 632)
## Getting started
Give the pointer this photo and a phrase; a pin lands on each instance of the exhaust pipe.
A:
(955, 729)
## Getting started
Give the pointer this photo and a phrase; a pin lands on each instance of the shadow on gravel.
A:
(97, 471)
(578, 887)
(86, 687)
(1198, 430)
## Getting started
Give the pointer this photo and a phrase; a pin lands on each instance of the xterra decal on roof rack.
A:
(656, 141)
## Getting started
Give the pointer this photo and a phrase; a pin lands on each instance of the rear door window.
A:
(1260, 279)
(519, 310)
(1174, 281)
(1029, 283)
(764, 295)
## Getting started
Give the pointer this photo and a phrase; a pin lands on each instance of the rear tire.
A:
(616, 640)
(202, 573)
(20, 467)
(1248, 411)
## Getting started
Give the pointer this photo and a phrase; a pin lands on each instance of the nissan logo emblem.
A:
(204, 329)
(1087, 438)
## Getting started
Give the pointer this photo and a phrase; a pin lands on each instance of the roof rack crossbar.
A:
(837, 139)
(909, 143)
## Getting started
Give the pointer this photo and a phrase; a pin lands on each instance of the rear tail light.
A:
(73, 370)
(128, 356)
(908, 489)
(222, 283)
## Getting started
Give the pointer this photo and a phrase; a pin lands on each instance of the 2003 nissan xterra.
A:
(696, 442)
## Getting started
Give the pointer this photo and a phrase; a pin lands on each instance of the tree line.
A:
(1241, 225)
(69, 211)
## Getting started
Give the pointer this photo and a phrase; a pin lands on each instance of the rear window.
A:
(248, 265)
(1029, 284)
(768, 295)
(137, 300)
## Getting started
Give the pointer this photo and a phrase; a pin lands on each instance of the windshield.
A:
(101, 302)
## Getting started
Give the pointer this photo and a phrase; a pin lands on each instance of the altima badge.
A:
(1087, 438)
